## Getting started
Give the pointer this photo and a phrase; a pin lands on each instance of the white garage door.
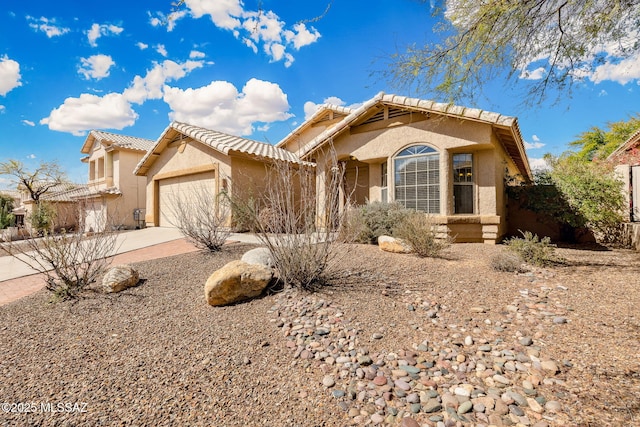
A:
(95, 217)
(177, 195)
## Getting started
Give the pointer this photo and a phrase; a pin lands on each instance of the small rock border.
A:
(461, 380)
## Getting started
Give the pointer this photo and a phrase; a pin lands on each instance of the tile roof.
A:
(315, 117)
(219, 141)
(66, 192)
(633, 140)
(122, 141)
(512, 139)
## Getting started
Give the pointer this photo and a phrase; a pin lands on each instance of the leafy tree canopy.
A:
(550, 44)
(600, 143)
(37, 181)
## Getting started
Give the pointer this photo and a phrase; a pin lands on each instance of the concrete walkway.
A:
(18, 280)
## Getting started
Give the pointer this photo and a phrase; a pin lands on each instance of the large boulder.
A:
(391, 244)
(119, 278)
(258, 256)
(236, 281)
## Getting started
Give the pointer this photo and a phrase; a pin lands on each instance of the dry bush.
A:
(69, 260)
(506, 262)
(202, 217)
(420, 232)
(287, 221)
(364, 224)
(534, 250)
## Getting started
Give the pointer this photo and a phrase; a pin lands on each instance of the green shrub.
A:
(42, 217)
(6, 206)
(506, 261)
(532, 250)
(365, 224)
(419, 232)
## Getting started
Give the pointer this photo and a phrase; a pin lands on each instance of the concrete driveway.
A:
(11, 268)
(18, 280)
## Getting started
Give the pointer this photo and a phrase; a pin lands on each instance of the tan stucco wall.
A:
(300, 139)
(194, 157)
(448, 136)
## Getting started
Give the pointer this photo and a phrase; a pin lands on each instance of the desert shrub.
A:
(6, 206)
(69, 261)
(364, 224)
(533, 250)
(202, 217)
(577, 194)
(42, 217)
(506, 261)
(300, 237)
(418, 231)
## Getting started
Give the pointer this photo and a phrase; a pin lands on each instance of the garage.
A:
(178, 195)
(96, 217)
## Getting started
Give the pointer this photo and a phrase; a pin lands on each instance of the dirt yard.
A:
(393, 340)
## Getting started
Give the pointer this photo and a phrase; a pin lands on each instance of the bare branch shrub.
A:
(70, 260)
(420, 232)
(296, 220)
(201, 216)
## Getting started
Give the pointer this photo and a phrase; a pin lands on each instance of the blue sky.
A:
(252, 68)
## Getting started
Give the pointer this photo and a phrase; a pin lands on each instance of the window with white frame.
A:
(417, 178)
(463, 183)
(384, 188)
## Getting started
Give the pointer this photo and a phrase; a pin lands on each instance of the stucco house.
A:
(61, 198)
(627, 160)
(186, 158)
(116, 196)
(445, 160)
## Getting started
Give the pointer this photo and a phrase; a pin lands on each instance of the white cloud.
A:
(96, 66)
(538, 164)
(224, 13)
(9, 75)
(114, 110)
(255, 28)
(195, 54)
(311, 107)
(301, 36)
(623, 71)
(47, 26)
(220, 106)
(77, 115)
(28, 123)
(31, 156)
(159, 19)
(161, 50)
(535, 144)
(536, 74)
(150, 86)
(2, 109)
(96, 31)
(142, 46)
(603, 93)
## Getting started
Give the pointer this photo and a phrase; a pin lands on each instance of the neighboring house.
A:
(116, 197)
(627, 159)
(61, 198)
(187, 159)
(448, 161)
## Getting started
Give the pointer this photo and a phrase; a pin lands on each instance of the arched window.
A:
(417, 178)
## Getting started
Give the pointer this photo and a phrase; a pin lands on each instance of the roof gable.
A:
(505, 127)
(631, 142)
(325, 112)
(121, 141)
(219, 141)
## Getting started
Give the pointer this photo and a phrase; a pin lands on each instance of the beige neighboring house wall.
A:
(63, 200)
(485, 146)
(115, 192)
(627, 160)
(187, 159)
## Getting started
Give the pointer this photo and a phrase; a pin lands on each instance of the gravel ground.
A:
(452, 331)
